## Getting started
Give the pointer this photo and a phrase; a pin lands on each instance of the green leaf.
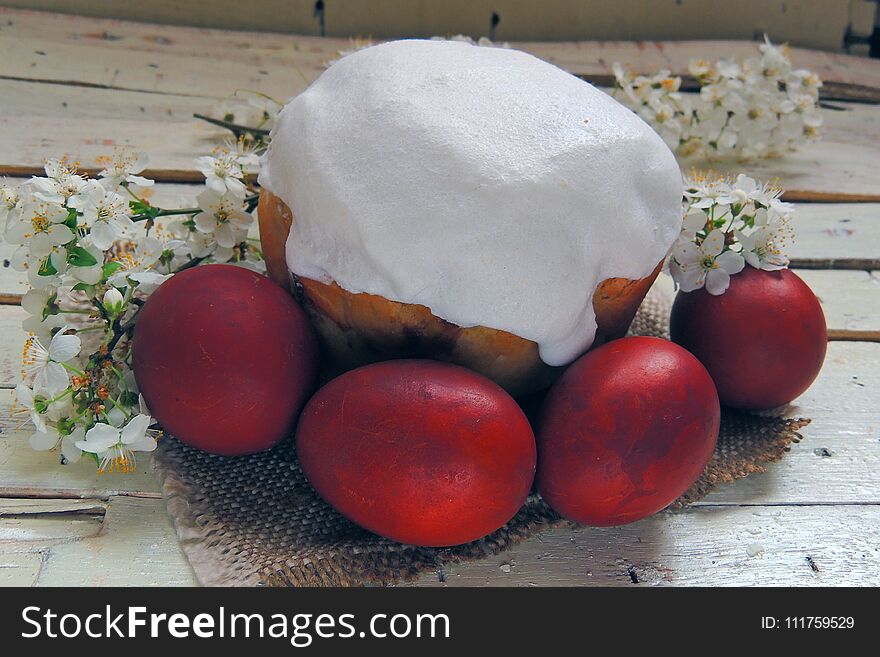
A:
(51, 307)
(143, 208)
(79, 257)
(72, 219)
(47, 268)
(40, 404)
(85, 287)
(110, 268)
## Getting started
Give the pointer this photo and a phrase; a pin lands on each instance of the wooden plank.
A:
(136, 547)
(54, 543)
(845, 75)
(11, 318)
(708, 546)
(21, 507)
(257, 51)
(19, 569)
(837, 235)
(48, 120)
(851, 301)
(703, 546)
(156, 72)
(45, 531)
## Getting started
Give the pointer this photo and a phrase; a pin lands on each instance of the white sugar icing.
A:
(490, 186)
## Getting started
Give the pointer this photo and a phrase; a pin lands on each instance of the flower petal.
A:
(135, 429)
(142, 444)
(41, 440)
(104, 233)
(225, 236)
(99, 438)
(60, 234)
(717, 281)
(687, 253)
(730, 262)
(64, 347)
(24, 396)
(692, 279)
(88, 275)
(139, 180)
(714, 243)
(51, 379)
(69, 450)
(695, 220)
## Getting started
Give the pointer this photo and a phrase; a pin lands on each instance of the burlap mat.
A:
(256, 521)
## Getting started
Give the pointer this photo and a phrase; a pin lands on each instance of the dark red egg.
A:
(763, 340)
(418, 451)
(225, 359)
(625, 431)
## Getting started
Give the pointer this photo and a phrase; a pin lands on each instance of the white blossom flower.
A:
(107, 214)
(69, 450)
(36, 268)
(122, 169)
(223, 173)
(48, 439)
(66, 228)
(40, 227)
(62, 186)
(204, 245)
(756, 108)
(115, 447)
(24, 396)
(11, 203)
(113, 302)
(760, 248)
(36, 302)
(710, 192)
(222, 216)
(44, 439)
(245, 152)
(707, 264)
(138, 266)
(173, 248)
(44, 368)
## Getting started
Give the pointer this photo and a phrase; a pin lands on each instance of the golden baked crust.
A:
(356, 329)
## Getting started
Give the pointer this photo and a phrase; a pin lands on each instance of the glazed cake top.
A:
(488, 185)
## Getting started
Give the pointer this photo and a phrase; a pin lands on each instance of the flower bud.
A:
(113, 301)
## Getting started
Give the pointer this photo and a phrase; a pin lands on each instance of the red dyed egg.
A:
(418, 451)
(763, 340)
(625, 431)
(225, 359)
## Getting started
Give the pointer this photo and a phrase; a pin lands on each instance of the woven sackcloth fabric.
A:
(255, 520)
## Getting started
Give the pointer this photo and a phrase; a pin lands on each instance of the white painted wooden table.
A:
(78, 86)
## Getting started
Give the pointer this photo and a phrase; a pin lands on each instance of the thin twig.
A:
(236, 128)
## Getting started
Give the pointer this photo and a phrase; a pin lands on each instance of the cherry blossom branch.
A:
(236, 129)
